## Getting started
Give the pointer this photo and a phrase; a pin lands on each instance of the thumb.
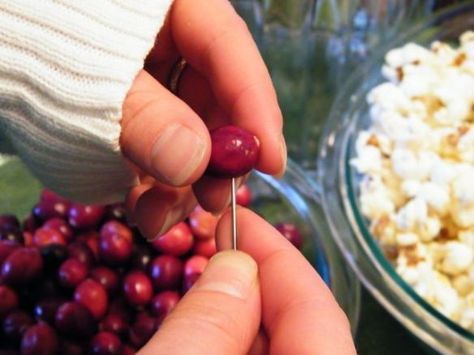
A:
(220, 314)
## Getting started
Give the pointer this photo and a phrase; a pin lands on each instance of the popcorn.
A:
(417, 163)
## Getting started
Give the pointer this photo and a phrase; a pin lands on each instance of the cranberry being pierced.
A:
(234, 152)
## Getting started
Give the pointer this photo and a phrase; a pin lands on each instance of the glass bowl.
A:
(289, 199)
(339, 190)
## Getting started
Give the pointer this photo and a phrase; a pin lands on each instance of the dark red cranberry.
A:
(68, 347)
(85, 216)
(106, 277)
(234, 152)
(116, 211)
(177, 241)
(80, 251)
(163, 303)
(115, 323)
(61, 226)
(30, 224)
(120, 306)
(72, 272)
(91, 238)
(244, 195)
(15, 324)
(166, 272)
(23, 265)
(206, 248)
(92, 295)
(45, 309)
(6, 248)
(47, 209)
(189, 281)
(142, 329)
(27, 239)
(290, 232)
(39, 339)
(105, 343)
(141, 256)
(46, 236)
(75, 320)
(127, 350)
(53, 255)
(116, 243)
(13, 234)
(49, 195)
(137, 288)
(195, 265)
(8, 300)
(203, 224)
(9, 221)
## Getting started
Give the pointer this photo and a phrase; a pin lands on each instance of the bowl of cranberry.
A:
(77, 278)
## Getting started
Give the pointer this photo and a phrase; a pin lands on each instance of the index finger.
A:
(216, 41)
(299, 312)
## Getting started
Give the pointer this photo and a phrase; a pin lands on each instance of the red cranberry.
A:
(116, 243)
(22, 266)
(28, 239)
(166, 271)
(80, 251)
(244, 195)
(163, 303)
(85, 216)
(9, 221)
(69, 347)
(53, 255)
(47, 209)
(29, 224)
(46, 236)
(13, 234)
(142, 329)
(93, 296)
(6, 248)
(116, 211)
(105, 343)
(8, 300)
(106, 277)
(203, 224)
(74, 320)
(48, 195)
(91, 238)
(61, 226)
(195, 265)
(72, 272)
(114, 323)
(45, 310)
(137, 288)
(290, 232)
(127, 350)
(39, 339)
(141, 256)
(189, 281)
(206, 248)
(120, 306)
(234, 152)
(177, 241)
(15, 324)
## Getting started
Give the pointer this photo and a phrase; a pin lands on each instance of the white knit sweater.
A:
(65, 69)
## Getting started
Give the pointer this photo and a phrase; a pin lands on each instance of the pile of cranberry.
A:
(77, 279)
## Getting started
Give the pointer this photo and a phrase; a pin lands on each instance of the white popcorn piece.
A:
(407, 239)
(413, 214)
(436, 196)
(458, 258)
(463, 284)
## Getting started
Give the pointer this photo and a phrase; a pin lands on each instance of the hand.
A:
(167, 137)
(280, 291)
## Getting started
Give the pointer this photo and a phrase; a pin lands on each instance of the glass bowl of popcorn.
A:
(396, 175)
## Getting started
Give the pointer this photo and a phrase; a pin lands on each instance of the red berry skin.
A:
(189, 281)
(81, 251)
(47, 209)
(116, 243)
(40, 339)
(29, 224)
(163, 303)
(244, 195)
(106, 277)
(69, 347)
(290, 232)
(114, 323)
(61, 226)
(8, 300)
(177, 241)
(166, 272)
(6, 248)
(127, 350)
(47, 236)
(93, 296)
(45, 309)
(75, 320)
(91, 238)
(85, 216)
(105, 343)
(195, 265)
(15, 324)
(202, 223)
(234, 152)
(22, 266)
(72, 272)
(137, 288)
(206, 248)
(142, 329)
(142, 256)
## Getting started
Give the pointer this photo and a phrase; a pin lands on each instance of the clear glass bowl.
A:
(289, 199)
(339, 191)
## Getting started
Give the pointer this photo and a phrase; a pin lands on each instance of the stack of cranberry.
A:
(77, 279)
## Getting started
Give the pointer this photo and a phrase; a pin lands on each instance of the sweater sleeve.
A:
(65, 69)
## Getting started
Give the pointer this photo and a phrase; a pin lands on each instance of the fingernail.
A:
(230, 272)
(284, 156)
(177, 153)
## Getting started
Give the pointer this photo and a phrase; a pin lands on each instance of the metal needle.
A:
(234, 213)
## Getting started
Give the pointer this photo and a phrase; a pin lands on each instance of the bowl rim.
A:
(336, 132)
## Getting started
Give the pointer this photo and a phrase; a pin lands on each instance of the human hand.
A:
(235, 296)
(167, 137)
